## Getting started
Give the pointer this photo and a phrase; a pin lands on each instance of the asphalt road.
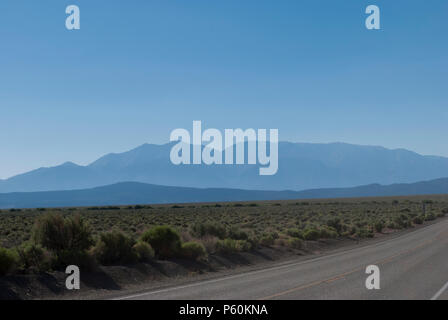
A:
(412, 266)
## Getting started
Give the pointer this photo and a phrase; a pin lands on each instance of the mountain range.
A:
(132, 193)
(302, 166)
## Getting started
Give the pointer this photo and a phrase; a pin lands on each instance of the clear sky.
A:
(139, 69)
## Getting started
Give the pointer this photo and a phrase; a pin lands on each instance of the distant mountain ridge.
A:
(132, 193)
(301, 166)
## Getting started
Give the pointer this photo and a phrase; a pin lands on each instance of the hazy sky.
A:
(139, 69)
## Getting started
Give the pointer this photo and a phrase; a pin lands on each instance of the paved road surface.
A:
(412, 266)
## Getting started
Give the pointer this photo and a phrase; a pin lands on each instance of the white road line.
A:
(440, 292)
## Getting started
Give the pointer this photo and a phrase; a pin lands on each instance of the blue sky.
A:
(139, 69)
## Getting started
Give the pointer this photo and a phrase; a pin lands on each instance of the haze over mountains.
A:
(132, 193)
(301, 166)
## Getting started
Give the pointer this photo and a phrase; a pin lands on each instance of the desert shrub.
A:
(186, 236)
(81, 258)
(79, 233)
(209, 229)
(430, 216)
(267, 240)
(253, 240)
(237, 234)
(295, 233)
(144, 251)
(402, 222)
(209, 243)
(352, 230)
(253, 205)
(274, 235)
(336, 224)
(8, 261)
(227, 246)
(50, 231)
(115, 248)
(417, 220)
(55, 233)
(295, 243)
(34, 258)
(69, 239)
(164, 240)
(328, 233)
(397, 224)
(311, 234)
(365, 233)
(392, 225)
(379, 226)
(193, 250)
(346, 234)
(282, 242)
(243, 245)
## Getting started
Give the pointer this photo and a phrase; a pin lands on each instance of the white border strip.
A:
(440, 292)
